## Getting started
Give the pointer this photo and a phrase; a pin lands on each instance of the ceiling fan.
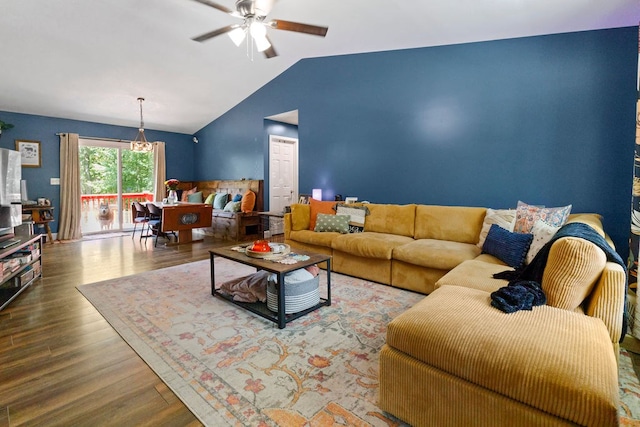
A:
(253, 13)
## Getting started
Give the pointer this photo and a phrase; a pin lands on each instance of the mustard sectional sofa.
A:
(453, 359)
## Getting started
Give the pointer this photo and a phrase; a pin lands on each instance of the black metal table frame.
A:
(281, 318)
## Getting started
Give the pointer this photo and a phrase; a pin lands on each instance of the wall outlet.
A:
(55, 181)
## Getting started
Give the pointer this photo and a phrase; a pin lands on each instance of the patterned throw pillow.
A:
(510, 248)
(232, 207)
(542, 233)
(356, 215)
(527, 215)
(327, 222)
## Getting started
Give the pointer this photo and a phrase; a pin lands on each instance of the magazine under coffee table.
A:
(279, 269)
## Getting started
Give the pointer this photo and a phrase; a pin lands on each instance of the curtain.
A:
(634, 239)
(160, 171)
(70, 204)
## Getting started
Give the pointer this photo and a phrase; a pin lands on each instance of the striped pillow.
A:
(510, 248)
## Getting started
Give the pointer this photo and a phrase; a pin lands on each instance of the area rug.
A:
(231, 367)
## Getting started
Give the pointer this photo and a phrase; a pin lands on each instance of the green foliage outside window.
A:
(99, 171)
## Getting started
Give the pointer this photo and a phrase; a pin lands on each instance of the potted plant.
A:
(4, 126)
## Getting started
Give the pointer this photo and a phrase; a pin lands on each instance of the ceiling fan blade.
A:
(270, 52)
(315, 30)
(212, 34)
(216, 6)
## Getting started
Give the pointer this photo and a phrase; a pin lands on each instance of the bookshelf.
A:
(21, 266)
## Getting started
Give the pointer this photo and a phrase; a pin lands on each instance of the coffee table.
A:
(281, 318)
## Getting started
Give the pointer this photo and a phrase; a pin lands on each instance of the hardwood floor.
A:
(62, 364)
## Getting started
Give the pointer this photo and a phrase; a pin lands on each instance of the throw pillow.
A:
(319, 207)
(542, 233)
(248, 201)
(527, 215)
(220, 201)
(195, 197)
(237, 198)
(232, 207)
(185, 194)
(573, 268)
(510, 248)
(505, 218)
(209, 199)
(356, 214)
(328, 222)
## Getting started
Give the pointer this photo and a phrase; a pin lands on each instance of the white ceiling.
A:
(89, 60)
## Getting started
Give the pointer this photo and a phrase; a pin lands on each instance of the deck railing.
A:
(93, 201)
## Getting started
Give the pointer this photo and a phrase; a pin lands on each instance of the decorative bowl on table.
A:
(263, 249)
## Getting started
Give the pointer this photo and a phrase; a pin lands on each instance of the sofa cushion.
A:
(319, 207)
(440, 254)
(455, 223)
(313, 238)
(555, 360)
(368, 244)
(328, 223)
(300, 216)
(475, 274)
(507, 246)
(391, 219)
(527, 215)
(573, 268)
(505, 218)
(209, 199)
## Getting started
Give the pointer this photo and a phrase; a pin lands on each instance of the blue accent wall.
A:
(179, 149)
(548, 120)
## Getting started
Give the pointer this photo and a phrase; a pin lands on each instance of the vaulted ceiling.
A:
(90, 60)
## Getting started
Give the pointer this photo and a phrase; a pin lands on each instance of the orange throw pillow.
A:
(185, 194)
(248, 201)
(319, 207)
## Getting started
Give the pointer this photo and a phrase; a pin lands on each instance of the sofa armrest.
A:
(607, 300)
(287, 226)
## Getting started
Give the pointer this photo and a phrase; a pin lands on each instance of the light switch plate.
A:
(55, 181)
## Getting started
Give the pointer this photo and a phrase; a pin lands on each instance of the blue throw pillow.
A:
(510, 248)
(220, 201)
(237, 198)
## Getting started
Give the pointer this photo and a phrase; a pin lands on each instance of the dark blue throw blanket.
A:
(518, 295)
(535, 269)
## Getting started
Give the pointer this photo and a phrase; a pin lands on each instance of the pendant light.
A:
(141, 144)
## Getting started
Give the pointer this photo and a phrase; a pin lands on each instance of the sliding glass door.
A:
(111, 178)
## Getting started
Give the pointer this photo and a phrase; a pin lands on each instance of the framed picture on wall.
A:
(29, 152)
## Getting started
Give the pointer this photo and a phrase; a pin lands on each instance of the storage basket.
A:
(297, 297)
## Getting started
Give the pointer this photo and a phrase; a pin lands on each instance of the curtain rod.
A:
(96, 138)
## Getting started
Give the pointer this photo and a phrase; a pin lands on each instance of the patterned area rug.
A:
(231, 367)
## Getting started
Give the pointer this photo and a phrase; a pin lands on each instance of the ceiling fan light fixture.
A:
(262, 43)
(237, 35)
(141, 144)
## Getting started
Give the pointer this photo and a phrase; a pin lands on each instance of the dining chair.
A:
(155, 223)
(140, 215)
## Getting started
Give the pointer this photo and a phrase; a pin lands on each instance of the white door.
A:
(283, 171)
